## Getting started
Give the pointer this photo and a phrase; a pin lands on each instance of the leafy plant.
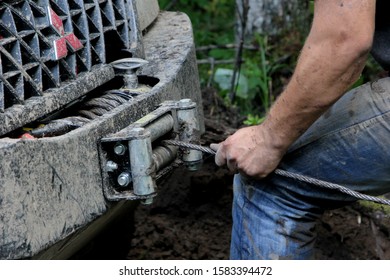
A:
(259, 68)
(268, 65)
(253, 119)
(213, 25)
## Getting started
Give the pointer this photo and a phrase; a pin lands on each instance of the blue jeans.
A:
(349, 145)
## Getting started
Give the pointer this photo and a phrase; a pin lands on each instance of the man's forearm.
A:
(327, 67)
(303, 100)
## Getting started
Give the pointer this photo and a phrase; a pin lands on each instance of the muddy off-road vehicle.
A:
(89, 91)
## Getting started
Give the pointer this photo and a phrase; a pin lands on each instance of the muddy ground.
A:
(191, 217)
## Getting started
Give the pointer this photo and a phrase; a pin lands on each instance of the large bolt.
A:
(124, 179)
(129, 67)
(120, 149)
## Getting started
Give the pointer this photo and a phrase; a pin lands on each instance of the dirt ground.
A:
(191, 217)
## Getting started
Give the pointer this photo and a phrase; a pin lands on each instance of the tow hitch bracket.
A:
(133, 158)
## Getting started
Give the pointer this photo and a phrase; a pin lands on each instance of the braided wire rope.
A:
(189, 146)
(291, 175)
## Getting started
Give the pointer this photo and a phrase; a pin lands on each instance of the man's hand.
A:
(249, 151)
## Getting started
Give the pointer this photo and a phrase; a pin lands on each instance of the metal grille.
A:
(45, 43)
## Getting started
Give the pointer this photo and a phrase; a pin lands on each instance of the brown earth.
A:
(191, 217)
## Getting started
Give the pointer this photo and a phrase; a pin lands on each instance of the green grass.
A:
(373, 207)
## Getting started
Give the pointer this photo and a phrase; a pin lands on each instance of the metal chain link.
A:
(288, 174)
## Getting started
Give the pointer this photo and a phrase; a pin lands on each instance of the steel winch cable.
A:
(89, 110)
(291, 175)
(190, 146)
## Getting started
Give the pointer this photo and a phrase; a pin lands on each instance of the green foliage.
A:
(210, 6)
(253, 119)
(213, 23)
(375, 207)
(259, 68)
(213, 20)
(311, 6)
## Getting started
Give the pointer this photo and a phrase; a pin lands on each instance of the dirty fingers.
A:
(222, 158)
(249, 152)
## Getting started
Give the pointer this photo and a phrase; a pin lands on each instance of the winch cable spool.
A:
(98, 106)
(291, 175)
(90, 110)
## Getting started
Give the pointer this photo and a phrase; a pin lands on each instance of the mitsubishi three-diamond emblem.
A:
(66, 39)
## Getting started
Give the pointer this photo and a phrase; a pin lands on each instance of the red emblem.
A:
(66, 40)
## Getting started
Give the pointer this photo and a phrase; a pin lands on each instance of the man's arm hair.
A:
(331, 60)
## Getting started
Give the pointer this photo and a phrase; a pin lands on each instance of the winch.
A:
(134, 158)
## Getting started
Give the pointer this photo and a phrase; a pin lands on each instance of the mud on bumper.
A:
(51, 188)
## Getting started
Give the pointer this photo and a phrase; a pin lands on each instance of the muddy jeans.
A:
(349, 145)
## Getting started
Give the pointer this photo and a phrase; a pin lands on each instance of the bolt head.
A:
(124, 179)
(120, 149)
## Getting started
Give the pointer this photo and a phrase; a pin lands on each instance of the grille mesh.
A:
(29, 30)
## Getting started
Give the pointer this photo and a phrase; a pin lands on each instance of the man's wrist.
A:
(273, 138)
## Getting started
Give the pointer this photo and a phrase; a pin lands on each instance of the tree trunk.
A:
(271, 16)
